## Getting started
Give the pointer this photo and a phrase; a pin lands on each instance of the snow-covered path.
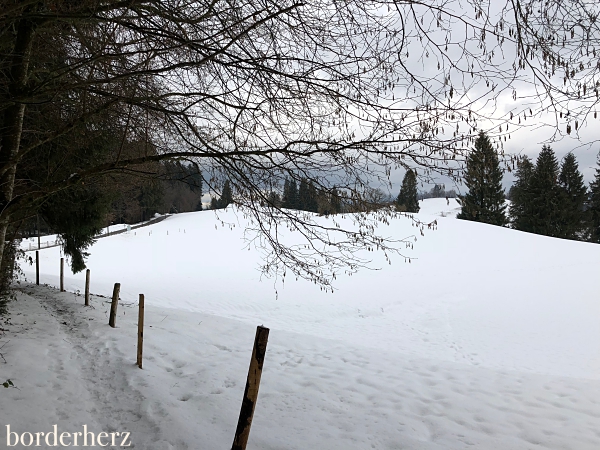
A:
(73, 369)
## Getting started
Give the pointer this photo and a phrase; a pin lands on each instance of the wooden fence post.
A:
(37, 216)
(140, 331)
(113, 307)
(62, 274)
(251, 392)
(87, 287)
(37, 267)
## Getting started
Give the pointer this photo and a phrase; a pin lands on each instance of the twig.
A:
(1, 355)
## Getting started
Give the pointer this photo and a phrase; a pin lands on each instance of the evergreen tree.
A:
(407, 198)
(274, 199)
(485, 200)
(293, 195)
(312, 204)
(79, 213)
(290, 195)
(150, 199)
(545, 195)
(572, 224)
(329, 203)
(520, 206)
(303, 196)
(286, 194)
(438, 191)
(226, 196)
(594, 206)
(214, 203)
(335, 202)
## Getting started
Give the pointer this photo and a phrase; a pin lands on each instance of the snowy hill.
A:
(439, 207)
(488, 339)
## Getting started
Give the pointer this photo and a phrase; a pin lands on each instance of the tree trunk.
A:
(12, 126)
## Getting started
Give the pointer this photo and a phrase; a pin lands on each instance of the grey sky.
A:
(527, 136)
(529, 142)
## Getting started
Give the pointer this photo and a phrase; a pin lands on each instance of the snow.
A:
(439, 207)
(488, 339)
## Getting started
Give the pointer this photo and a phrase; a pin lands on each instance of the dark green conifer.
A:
(438, 191)
(520, 206)
(286, 194)
(150, 199)
(312, 203)
(485, 200)
(226, 196)
(274, 200)
(594, 206)
(545, 195)
(407, 198)
(79, 213)
(335, 202)
(303, 199)
(290, 194)
(572, 223)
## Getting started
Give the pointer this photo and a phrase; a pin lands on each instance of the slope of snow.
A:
(488, 339)
(439, 207)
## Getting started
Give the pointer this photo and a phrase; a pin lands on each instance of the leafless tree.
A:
(338, 92)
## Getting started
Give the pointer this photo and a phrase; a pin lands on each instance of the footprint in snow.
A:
(229, 383)
(185, 398)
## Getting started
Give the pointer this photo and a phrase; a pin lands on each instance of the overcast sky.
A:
(535, 131)
(529, 142)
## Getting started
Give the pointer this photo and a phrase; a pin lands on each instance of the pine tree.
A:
(285, 196)
(79, 213)
(545, 195)
(407, 198)
(290, 195)
(335, 202)
(438, 191)
(594, 206)
(485, 200)
(150, 199)
(226, 196)
(520, 206)
(274, 200)
(303, 199)
(312, 204)
(574, 193)
(293, 195)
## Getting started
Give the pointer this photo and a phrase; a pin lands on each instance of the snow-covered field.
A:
(488, 339)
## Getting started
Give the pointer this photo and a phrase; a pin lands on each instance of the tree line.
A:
(552, 199)
(170, 187)
(548, 197)
(302, 196)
